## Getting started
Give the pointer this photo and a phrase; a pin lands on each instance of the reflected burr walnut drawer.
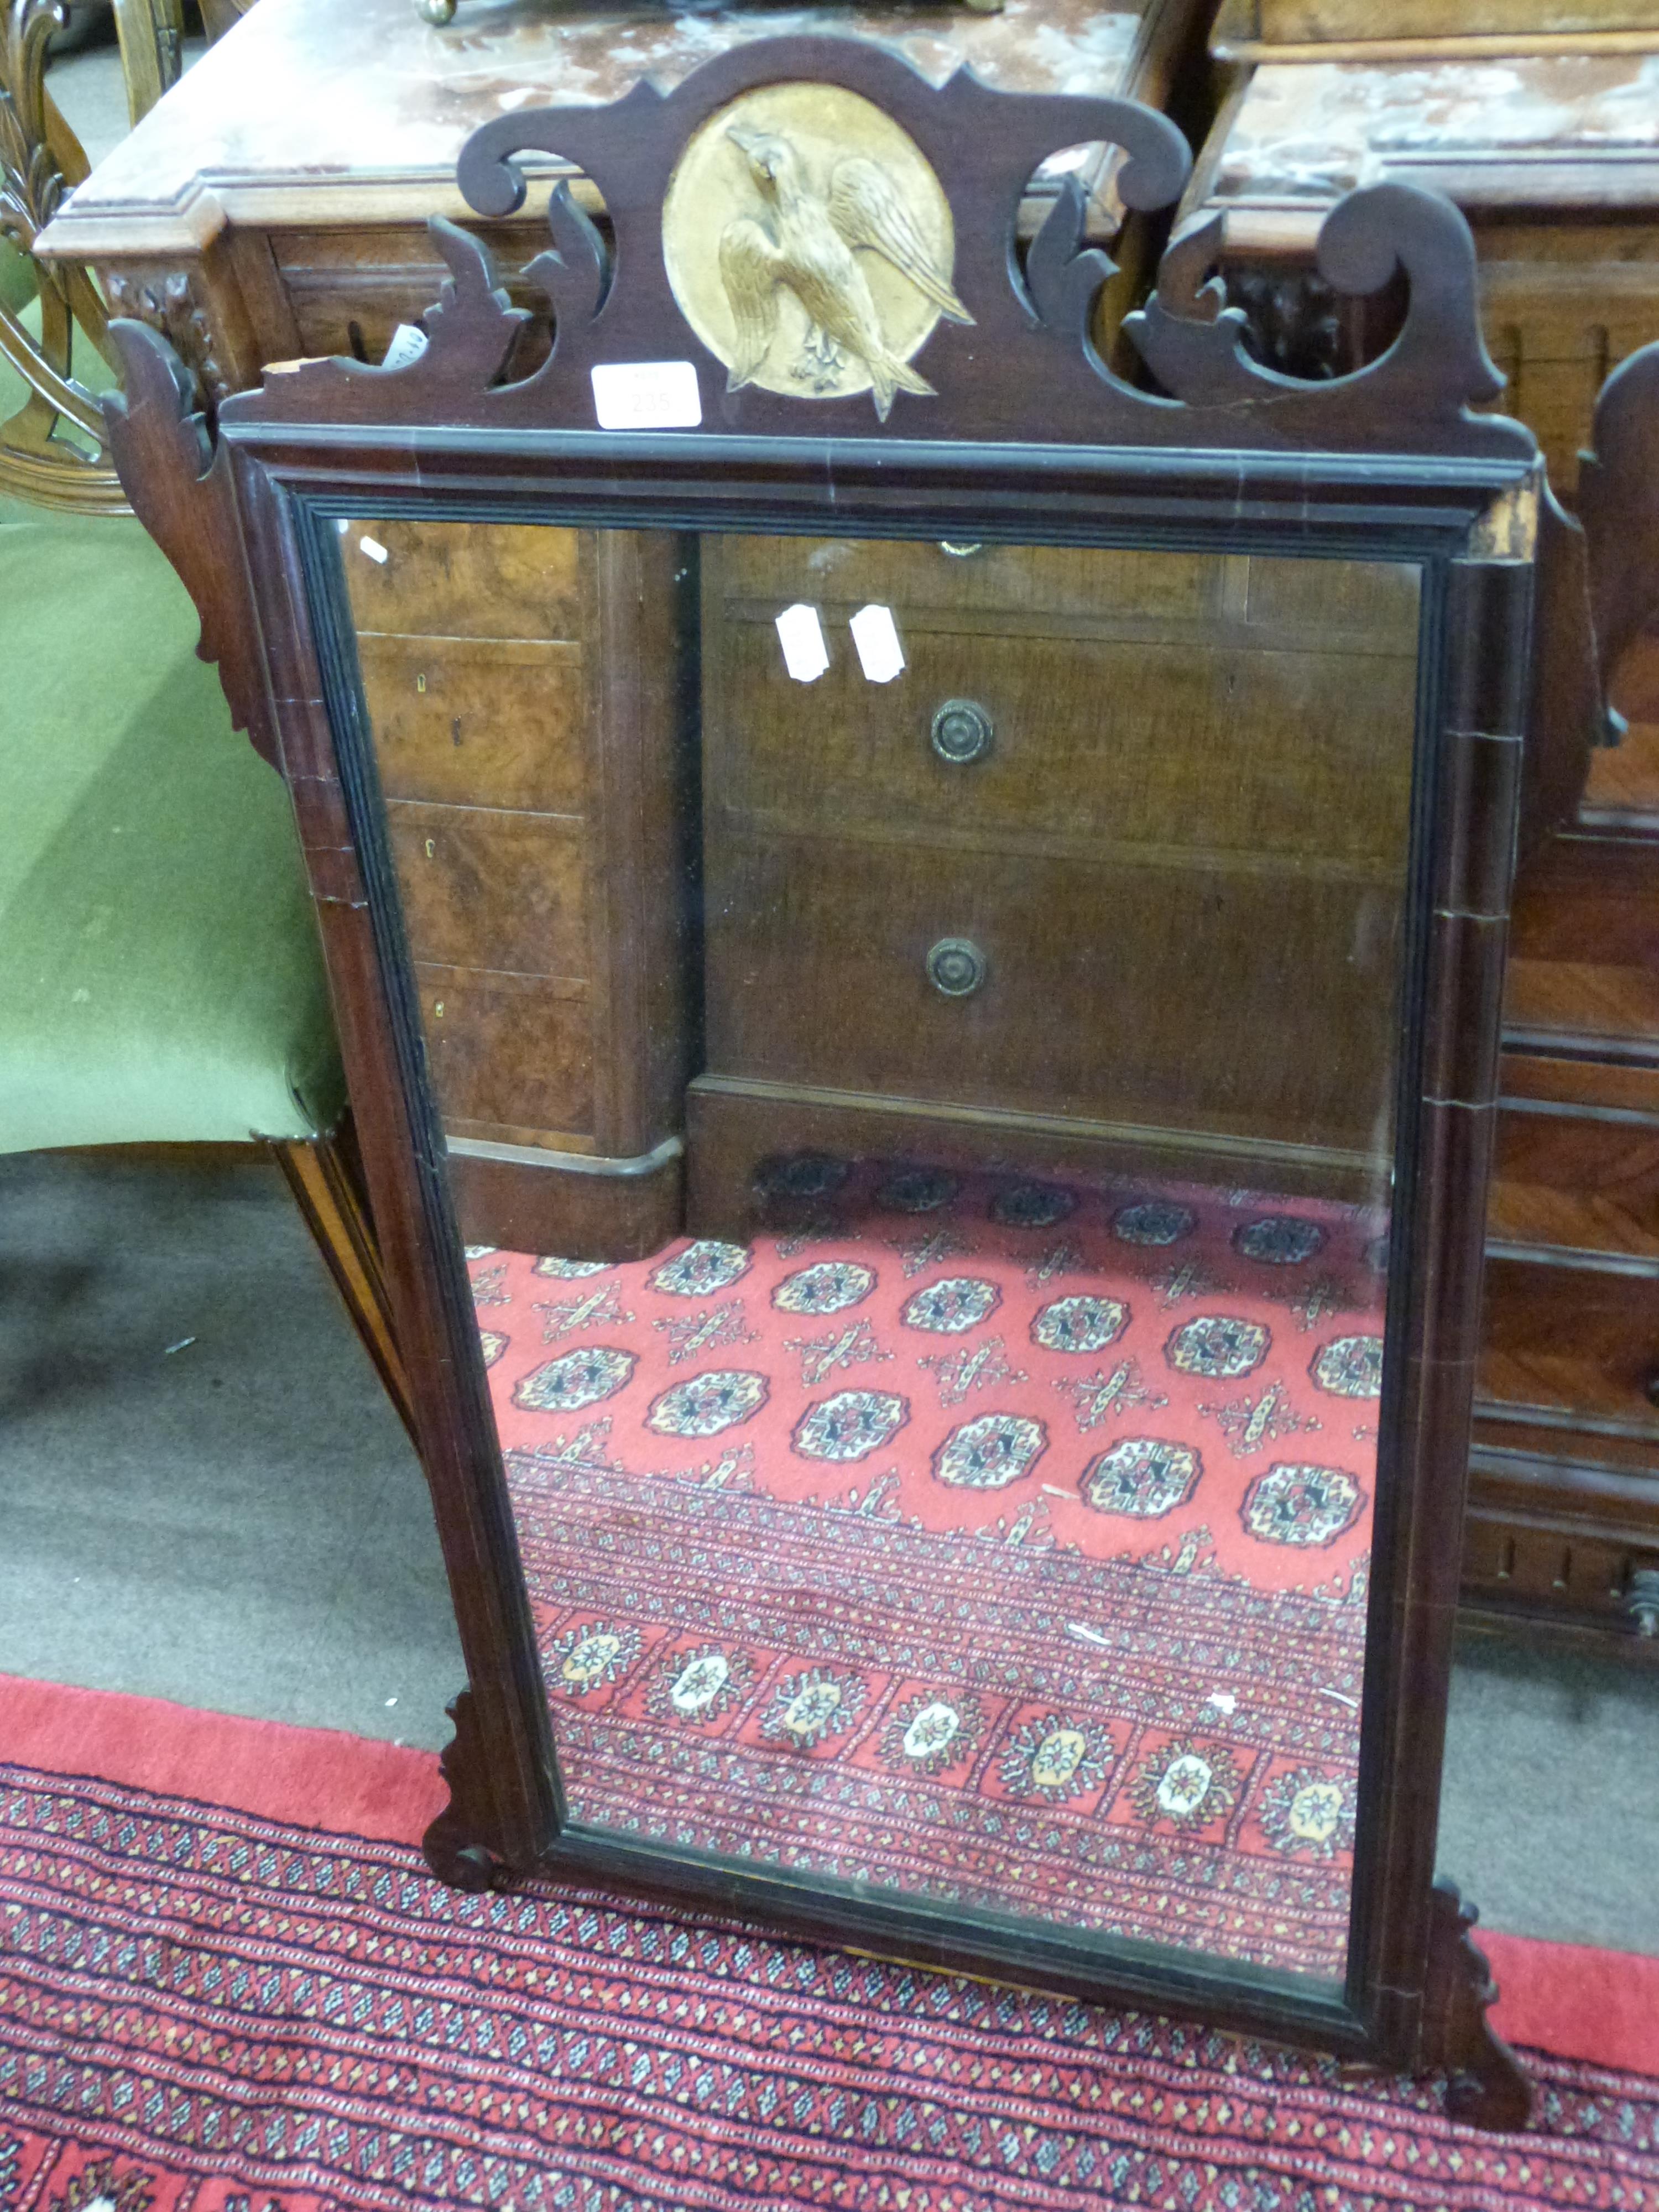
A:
(466, 579)
(478, 722)
(486, 890)
(511, 1056)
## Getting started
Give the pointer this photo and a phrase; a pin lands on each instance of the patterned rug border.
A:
(1572, 2002)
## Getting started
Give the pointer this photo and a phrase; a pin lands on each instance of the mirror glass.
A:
(915, 1026)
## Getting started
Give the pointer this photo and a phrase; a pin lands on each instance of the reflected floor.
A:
(1006, 1548)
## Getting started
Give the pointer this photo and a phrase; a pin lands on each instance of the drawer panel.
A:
(480, 722)
(1137, 993)
(1578, 1181)
(1057, 586)
(466, 579)
(511, 1056)
(484, 890)
(1117, 744)
(1580, 1341)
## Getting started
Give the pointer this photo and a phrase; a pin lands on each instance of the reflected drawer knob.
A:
(961, 731)
(955, 966)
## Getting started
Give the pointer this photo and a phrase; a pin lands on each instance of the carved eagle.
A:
(805, 241)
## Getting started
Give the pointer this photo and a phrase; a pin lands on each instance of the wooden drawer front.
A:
(1101, 744)
(1054, 588)
(1134, 993)
(1580, 1341)
(1578, 1180)
(484, 890)
(477, 722)
(466, 579)
(511, 1056)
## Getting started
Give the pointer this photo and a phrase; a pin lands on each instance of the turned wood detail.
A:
(1485, 2085)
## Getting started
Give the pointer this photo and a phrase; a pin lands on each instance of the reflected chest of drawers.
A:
(953, 909)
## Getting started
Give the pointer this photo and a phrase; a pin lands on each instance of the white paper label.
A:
(374, 549)
(801, 636)
(647, 395)
(407, 344)
(876, 637)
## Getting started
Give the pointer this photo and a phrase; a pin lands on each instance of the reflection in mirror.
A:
(951, 1466)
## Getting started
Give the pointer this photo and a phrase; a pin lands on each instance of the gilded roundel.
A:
(809, 245)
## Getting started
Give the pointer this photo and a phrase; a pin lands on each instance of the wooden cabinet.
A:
(1550, 155)
(524, 690)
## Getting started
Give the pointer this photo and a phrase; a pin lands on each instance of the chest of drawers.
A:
(1550, 155)
(954, 911)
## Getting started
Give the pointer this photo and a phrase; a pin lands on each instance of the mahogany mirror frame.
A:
(1389, 468)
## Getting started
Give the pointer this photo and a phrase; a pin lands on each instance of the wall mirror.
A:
(918, 921)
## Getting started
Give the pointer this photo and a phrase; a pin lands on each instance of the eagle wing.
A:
(866, 211)
(751, 270)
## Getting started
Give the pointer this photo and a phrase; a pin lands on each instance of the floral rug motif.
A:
(983, 1538)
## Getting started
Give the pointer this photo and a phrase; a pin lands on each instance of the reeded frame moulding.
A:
(1027, 436)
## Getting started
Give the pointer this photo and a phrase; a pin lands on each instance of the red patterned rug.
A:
(210, 2009)
(993, 1540)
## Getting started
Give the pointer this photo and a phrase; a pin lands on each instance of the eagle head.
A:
(771, 160)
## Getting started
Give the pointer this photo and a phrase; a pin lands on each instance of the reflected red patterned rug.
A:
(994, 1540)
(209, 2010)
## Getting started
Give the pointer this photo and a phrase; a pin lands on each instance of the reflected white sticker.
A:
(407, 344)
(801, 636)
(876, 635)
(647, 395)
(374, 549)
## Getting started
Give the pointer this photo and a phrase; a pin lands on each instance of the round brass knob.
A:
(963, 732)
(956, 967)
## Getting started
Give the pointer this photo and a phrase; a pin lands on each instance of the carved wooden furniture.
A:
(906, 908)
(1547, 156)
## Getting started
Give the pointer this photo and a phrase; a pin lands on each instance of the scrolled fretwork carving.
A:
(935, 310)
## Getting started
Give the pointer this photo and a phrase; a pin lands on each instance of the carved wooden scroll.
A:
(179, 486)
(812, 240)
